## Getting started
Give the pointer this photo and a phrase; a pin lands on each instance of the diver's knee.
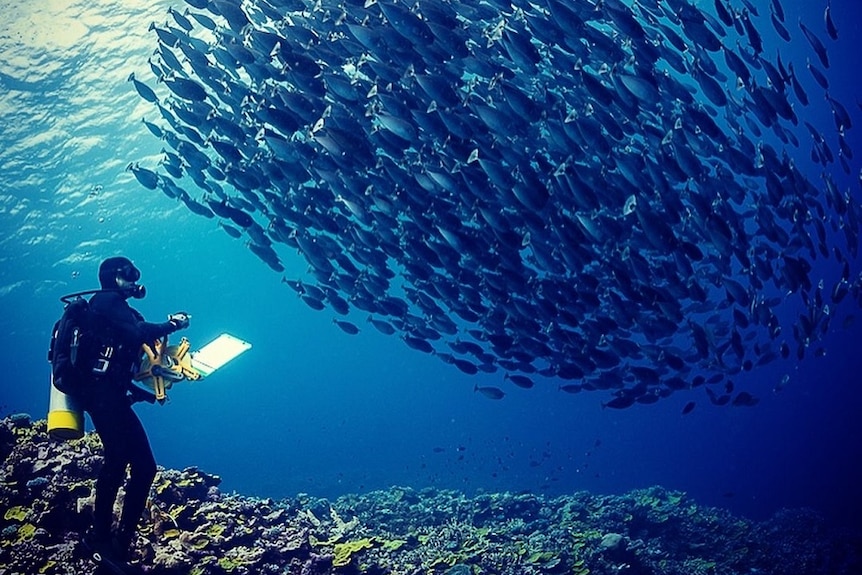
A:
(148, 469)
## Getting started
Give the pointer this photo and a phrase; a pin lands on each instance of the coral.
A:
(613, 542)
(240, 559)
(26, 532)
(17, 513)
(393, 544)
(341, 527)
(344, 552)
(46, 492)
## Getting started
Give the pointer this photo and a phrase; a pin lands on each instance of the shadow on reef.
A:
(46, 494)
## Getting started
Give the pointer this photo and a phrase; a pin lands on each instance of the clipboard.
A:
(217, 353)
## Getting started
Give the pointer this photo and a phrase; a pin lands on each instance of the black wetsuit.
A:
(106, 400)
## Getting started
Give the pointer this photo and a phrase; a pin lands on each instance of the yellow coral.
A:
(175, 512)
(26, 532)
(161, 485)
(541, 557)
(344, 551)
(17, 513)
(393, 544)
(239, 557)
(448, 561)
(199, 541)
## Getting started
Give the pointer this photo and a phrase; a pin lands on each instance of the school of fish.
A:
(613, 196)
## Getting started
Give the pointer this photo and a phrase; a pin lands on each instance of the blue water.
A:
(312, 409)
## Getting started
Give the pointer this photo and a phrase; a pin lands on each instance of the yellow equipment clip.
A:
(163, 366)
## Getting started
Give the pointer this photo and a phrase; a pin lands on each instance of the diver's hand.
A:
(137, 395)
(179, 320)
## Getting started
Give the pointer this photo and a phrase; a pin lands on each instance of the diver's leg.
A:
(112, 473)
(141, 474)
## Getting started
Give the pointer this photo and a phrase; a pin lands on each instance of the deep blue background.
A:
(311, 409)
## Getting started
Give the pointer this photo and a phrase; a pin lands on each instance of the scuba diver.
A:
(108, 398)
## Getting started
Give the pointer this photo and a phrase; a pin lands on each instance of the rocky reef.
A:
(46, 501)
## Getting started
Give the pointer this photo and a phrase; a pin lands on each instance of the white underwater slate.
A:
(217, 353)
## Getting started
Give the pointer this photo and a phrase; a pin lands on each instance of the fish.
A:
(718, 399)
(751, 7)
(815, 43)
(465, 366)
(737, 65)
(381, 325)
(818, 76)
(620, 402)
(521, 381)
(744, 399)
(801, 95)
(181, 19)
(230, 230)
(688, 407)
(780, 29)
(203, 19)
(195, 206)
(185, 88)
(167, 37)
(237, 216)
(489, 391)
(723, 13)
(777, 9)
(146, 177)
(418, 343)
(314, 303)
(562, 193)
(830, 24)
(236, 18)
(266, 254)
(143, 90)
(346, 326)
(842, 117)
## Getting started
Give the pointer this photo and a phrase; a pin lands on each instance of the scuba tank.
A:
(65, 418)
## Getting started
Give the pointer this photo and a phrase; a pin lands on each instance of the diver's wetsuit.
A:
(110, 409)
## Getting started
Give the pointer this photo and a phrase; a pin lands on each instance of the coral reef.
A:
(46, 498)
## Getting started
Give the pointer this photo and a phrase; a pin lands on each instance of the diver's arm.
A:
(128, 322)
(147, 332)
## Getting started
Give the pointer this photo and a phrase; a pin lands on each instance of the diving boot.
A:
(122, 545)
(99, 542)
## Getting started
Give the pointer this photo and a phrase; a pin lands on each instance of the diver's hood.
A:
(112, 268)
(121, 267)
